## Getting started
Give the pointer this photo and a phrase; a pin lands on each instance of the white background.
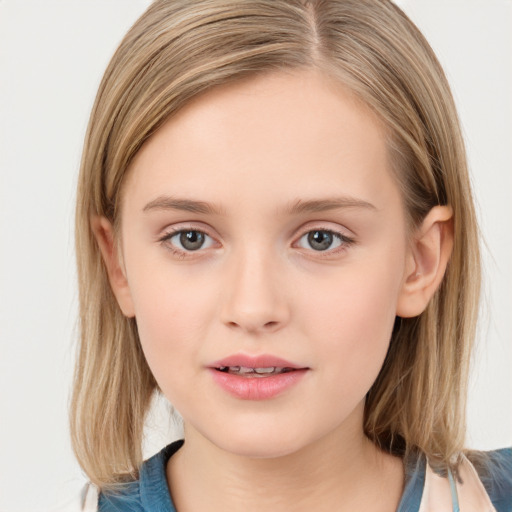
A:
(52, 56)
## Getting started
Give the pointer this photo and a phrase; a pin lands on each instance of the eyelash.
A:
(344, 241)
(182, 254)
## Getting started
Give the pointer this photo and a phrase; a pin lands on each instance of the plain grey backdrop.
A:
(52, 56)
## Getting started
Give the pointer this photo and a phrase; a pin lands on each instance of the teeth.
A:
(245, 370)
(262, 371)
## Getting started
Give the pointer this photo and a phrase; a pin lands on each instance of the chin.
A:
(261, 449)
(262, 441)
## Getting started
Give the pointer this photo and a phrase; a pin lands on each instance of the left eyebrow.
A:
(334, 203)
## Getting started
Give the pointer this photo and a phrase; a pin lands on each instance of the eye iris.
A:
(191, 240)
(320, 240)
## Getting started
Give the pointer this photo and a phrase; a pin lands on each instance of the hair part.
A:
(176, 51)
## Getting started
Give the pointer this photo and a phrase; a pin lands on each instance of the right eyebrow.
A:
(186, 205)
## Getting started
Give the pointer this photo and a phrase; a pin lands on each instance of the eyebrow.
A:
(186, 205)
(299, 206)
(334, 203)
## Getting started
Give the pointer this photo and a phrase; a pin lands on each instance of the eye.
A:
(322, 240)
(188, 240)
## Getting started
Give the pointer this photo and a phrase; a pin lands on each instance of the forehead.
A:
(279, 136)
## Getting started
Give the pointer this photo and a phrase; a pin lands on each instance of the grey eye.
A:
(191, 240)
(320, 240)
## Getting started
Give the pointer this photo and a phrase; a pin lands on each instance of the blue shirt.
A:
(150, 492)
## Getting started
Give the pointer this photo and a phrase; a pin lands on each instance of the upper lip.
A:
(259, 361)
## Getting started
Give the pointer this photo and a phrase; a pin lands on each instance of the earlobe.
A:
(104, 234)
(428, 258)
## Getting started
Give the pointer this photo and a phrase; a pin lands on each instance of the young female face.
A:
(262, 227)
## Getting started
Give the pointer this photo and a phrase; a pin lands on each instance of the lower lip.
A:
(257, 388)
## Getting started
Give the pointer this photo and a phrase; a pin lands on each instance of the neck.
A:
(342, 471)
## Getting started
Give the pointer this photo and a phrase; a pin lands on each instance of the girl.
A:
(275, 230)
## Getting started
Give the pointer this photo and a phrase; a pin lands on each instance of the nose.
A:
(255, 294)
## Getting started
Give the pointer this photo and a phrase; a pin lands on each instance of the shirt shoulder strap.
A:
(90, 498)
(447, 494)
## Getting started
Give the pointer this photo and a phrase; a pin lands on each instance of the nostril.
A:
(254, 326)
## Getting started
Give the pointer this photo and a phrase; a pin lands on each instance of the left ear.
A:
(429, 253)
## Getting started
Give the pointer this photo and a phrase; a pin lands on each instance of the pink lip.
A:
(261, 361)
(256, 388)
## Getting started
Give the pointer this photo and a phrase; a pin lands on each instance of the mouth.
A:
(250, 372)
(261, 377)
(263, 365)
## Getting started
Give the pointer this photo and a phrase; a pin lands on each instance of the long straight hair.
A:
(179, 49)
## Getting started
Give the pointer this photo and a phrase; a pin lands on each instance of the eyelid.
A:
(331, 227)
(184, 226)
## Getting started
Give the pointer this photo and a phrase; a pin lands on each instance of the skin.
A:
(254, 150)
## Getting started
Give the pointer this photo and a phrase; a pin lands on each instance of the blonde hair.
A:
(177, 50)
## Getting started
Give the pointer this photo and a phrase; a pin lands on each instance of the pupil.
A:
(191, 240)
(320, 240)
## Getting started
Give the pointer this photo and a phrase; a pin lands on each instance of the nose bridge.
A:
(254, 296)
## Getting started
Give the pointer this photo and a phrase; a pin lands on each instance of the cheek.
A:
(172, 317)
(354, 313)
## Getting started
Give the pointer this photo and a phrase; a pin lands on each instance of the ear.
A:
(104, 234)
(428, 257)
